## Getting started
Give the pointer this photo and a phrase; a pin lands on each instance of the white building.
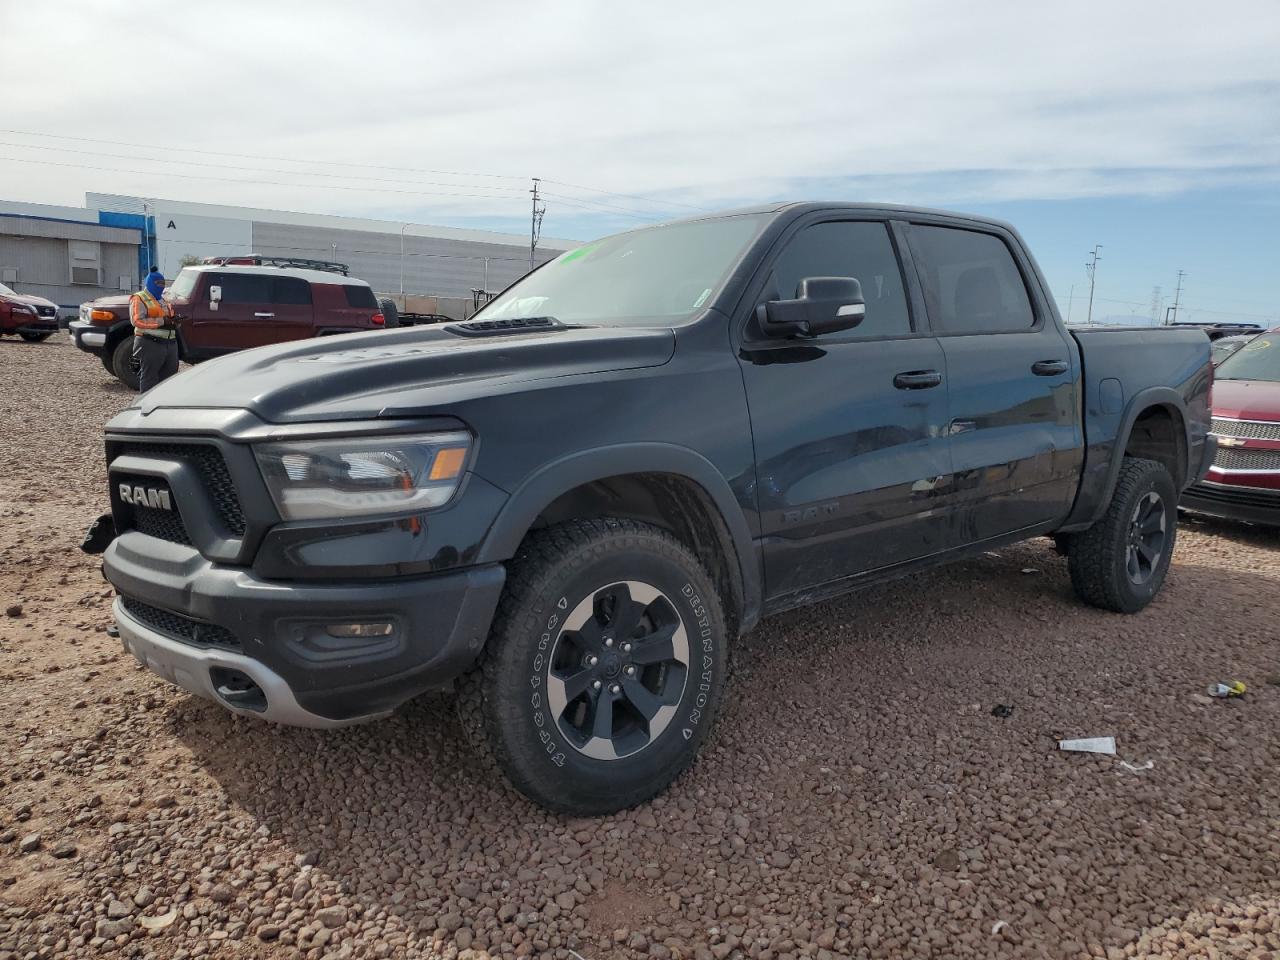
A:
(444, 262)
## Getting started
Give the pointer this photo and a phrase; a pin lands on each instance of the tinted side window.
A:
(972, 284)
(290, 290)
(849, 249)
(358, 296)
(243, 288)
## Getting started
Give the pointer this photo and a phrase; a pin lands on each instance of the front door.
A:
(1014, 384)
(852, 458)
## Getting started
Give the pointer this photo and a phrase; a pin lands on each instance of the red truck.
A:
(234, 303)
(30, 317)
(1244, 481)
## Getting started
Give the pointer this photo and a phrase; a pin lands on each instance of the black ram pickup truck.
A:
(574, 502)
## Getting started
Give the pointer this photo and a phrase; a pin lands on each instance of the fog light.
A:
(349, 630)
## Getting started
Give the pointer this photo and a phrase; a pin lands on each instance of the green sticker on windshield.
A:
(580, 252)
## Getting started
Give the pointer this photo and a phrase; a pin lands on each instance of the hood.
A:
(34, 300)
(115, 303)
(1246, 399)
(416, 371)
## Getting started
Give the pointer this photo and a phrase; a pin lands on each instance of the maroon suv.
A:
(224, 305)
(1244, 481)
(30, 317)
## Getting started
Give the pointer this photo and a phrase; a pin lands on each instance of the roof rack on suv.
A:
(257, 260)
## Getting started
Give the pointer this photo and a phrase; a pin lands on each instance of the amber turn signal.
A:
(448, 463)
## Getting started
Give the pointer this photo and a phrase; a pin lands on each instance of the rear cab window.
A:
(971, 282)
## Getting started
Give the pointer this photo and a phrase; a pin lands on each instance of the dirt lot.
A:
(858, 799)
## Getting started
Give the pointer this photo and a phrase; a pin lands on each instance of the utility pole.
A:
(1071, 299)
(1177, 295)
(535, 221)
(403, 228)
(1156, 300)
(1092, 267)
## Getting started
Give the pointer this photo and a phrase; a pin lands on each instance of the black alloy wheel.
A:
(618, 670)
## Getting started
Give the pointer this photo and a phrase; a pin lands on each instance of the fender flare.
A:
(560, 476)
(1141, 401)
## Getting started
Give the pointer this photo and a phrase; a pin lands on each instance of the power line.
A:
(268, 183)
(328, 163)
(254, 156)
(223, 166)
(631, 196)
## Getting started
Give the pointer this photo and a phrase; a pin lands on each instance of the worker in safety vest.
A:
(155, 333)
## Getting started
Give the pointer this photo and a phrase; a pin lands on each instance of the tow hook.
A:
(99, 535)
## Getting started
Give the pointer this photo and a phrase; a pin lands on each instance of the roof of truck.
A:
(807, 206)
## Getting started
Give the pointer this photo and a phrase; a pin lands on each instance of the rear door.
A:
(850, 427)
(1014, 380)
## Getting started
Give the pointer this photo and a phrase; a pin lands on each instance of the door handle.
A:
(917, 380)
(264, 315)
(1049, 368)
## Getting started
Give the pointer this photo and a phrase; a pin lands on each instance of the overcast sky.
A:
(1077, 117)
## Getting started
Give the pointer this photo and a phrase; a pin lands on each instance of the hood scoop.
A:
(494, 328)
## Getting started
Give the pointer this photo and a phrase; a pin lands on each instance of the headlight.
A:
(312, 479)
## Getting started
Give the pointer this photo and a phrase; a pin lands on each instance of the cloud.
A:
(698, 104)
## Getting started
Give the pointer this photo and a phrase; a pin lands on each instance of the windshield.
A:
(658, 274)
(1259, 359)
(183, 285)
(6, 291)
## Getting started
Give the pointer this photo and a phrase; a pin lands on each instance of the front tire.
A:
(35, 337)
(604, 669)
(123, 364)
(1120, 562)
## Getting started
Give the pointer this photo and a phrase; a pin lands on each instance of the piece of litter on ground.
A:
(997, 927)
(1002, 710)
(1090, 745)
(1234, 688)
(1030, 570)
(1139, 768)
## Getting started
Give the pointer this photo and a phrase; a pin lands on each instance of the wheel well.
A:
(1158, 434)
(676, 504)
(115, 335)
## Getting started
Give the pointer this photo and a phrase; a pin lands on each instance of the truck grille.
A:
(180, 627)
(1222, 493)
(213, 470)
(162, 524)
(1245, 429)
(1235, 459)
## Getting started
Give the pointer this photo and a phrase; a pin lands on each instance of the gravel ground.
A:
(858, 799)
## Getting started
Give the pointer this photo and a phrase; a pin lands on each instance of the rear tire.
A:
(1120, 562)
(123, 365)
(35, 337)
(604, 669)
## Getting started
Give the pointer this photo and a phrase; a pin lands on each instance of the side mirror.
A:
(215, 294)
(823, 305)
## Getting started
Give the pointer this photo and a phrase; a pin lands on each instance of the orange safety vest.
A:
(151, 316)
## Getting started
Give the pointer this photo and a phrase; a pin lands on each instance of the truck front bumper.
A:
(89, 337)
(317, 655)
(1233, 502)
